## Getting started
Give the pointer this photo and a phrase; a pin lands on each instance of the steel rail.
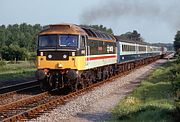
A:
(9, 94)
(18, 86)
(23, 101)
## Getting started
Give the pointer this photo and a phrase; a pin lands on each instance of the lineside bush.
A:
(2, 63)
(175, 81)
(156, 99)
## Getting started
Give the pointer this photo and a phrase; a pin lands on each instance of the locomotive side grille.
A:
(56, 55)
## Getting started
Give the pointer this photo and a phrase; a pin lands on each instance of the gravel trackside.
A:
(97, 104)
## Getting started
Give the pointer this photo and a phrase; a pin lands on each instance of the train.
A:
(77, 56)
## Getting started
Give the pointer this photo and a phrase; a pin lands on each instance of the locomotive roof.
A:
(62, 29)
(77, 30)
(93, 33)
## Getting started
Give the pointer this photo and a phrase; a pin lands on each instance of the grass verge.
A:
(14, 71)
(153, 101)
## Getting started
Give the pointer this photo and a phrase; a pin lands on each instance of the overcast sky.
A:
(157, 21)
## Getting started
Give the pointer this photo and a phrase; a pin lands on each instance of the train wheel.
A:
(73, 87)
(105, 74)
(90, 81)
(93, 77)
(79, 84)
(111, 71)
(50, 81)
(44, 85)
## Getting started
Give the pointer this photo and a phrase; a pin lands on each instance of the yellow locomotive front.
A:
(60, 55)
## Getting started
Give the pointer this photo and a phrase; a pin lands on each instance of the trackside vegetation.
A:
(14, 70)
(157, 99)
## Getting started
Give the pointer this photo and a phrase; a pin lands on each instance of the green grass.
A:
(15, 67)
(11, 71)
(153, 101)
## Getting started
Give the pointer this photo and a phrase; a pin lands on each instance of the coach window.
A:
(129, 48)
(123, 47)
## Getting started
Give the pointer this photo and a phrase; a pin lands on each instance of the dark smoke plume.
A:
(143, 9)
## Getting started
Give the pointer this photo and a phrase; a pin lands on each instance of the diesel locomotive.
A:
(76, 56)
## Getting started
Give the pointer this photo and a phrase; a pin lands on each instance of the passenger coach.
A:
(129, 50)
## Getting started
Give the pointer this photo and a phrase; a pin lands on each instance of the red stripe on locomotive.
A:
(101, 57)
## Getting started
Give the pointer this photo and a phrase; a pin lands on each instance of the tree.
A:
(18, 38)
(2, 35)
(177, 42)
(133, 36)
(14, 52)
(100, 28)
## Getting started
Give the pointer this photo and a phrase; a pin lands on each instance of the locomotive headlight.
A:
(64, 56)
(50, 56)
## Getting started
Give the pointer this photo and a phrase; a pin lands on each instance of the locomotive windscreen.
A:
(58, 41)
(68, 40)
(48, 41)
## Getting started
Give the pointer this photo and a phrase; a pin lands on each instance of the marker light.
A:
(41, 54)
(73, 53)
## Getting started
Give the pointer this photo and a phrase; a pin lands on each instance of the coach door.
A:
(85, 48)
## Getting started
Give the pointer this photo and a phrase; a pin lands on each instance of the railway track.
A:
(18, 94)
(31, 107)
(18, 86)
(19, 91)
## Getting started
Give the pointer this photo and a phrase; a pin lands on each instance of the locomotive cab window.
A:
(68, 40)
(47, 40)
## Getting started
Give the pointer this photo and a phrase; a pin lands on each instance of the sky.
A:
(156, 21)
